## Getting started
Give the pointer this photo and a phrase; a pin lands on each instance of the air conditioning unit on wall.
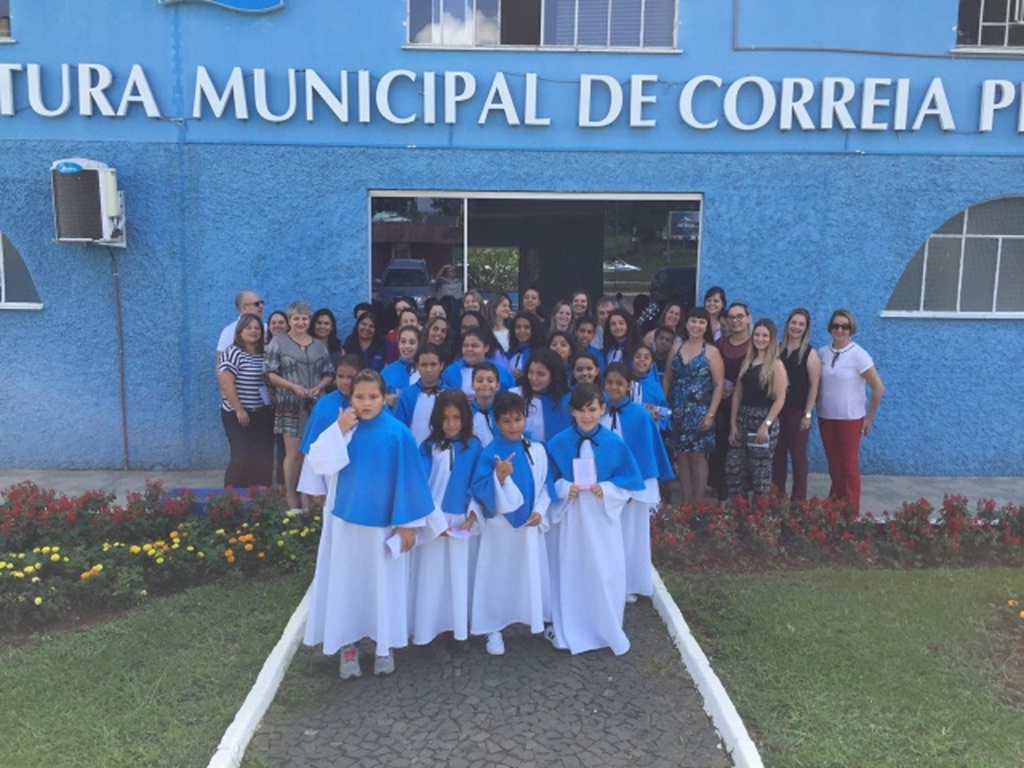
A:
(87, 205)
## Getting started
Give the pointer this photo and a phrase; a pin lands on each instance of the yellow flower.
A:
(56, 549)
(190, 548)
(98, 567)
(36, 579)
(1021, 614)
(55, 558)
(159, 561)
(220, 531)
(200, 554)
(147, 547)
(38, 601)
(1012, 603)
(30, 569)
(135, 549)
(2, 564)
(280, 543)
(45, 550)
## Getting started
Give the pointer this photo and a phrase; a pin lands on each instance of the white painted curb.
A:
(717, 703)
(236, 738)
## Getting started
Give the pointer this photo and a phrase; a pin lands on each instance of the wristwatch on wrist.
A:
(807, 414)
(768, 423)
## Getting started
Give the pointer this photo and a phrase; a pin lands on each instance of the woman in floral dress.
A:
(693, 386)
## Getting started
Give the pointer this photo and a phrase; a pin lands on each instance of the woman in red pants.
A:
(842, 416)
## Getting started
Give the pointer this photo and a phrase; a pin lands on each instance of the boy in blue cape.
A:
(593, 475)
(510, 483)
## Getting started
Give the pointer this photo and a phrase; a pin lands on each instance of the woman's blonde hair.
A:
(771, 354)
(805, 339)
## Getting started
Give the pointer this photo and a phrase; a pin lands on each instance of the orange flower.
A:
(228, 554)
(85, 575)
(248, 547)
(173, 534)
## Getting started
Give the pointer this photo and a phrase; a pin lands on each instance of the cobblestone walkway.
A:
(460, 708)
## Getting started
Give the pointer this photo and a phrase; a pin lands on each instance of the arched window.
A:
(17, 291)
(970, 267)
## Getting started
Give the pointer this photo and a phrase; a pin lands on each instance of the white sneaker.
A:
(384, 665)
(631, 598)
(495, 644)
(349, 668)
(549, 633)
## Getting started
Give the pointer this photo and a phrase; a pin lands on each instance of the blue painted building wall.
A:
(813, 218)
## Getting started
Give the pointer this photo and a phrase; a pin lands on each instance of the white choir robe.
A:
(589, 584)
(511, 583)
(635, 521)
(441, 569)
(358, 589)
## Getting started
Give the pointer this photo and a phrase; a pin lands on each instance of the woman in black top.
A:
(803, 369)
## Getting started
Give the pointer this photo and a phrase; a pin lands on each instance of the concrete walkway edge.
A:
(237, 736)
(717, 703)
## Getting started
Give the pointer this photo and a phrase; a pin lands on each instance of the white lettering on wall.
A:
(995, 95)
(499, 98)
(316, 88)
(259, 86)
(614, 89)
(234, 91)
(383, 96)
(935, 104)
(35, 91)
(91, 92)
(732, 95)
(137, 91)
(686, 102)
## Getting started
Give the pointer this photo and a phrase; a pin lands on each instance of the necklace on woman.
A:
(837, 352)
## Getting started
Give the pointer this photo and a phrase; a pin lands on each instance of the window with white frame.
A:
(5, 18)
(17, 291)
(990, 24)
(971, 266)
(588, 24)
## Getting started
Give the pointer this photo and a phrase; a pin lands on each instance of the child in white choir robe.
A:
(441, 568)
(511, 579)
(545, 390)
(416, 403)
(378, 507)
(476, 348)
(325, 413)
(486, 382)
(588, 590)
(645, 387)
(584, 368)
(402, 372)
(633, 423)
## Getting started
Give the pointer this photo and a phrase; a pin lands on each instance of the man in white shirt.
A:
(248, 303)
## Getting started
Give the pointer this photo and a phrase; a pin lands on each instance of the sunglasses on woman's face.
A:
(839, 327)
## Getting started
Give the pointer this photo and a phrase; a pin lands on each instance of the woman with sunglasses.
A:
(842, 416)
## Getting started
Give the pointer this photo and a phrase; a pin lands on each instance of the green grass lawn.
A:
(868, 668)
(155, 687)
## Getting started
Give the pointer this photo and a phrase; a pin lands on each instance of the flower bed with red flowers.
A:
(66, 557)
(774, 532)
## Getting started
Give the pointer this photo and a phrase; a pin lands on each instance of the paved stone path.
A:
(461, 708)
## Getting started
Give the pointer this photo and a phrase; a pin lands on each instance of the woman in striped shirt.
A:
(245, 408)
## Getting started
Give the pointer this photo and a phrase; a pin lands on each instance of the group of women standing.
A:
(743, 401)
(733, 401)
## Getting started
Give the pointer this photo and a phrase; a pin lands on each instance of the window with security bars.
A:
(973, 265)
(5, 18)
(990, 24)
(643, 24)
